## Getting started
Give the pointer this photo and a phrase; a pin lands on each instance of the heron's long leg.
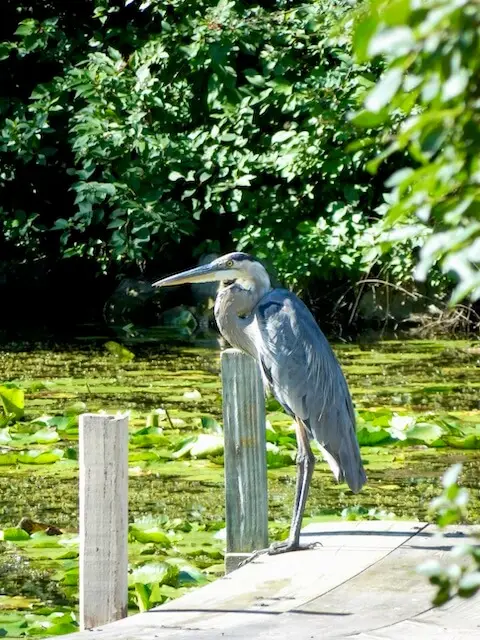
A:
(305, 466)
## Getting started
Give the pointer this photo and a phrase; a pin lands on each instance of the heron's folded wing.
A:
(307, 380)
(297, 359)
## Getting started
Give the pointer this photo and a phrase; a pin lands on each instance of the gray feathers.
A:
(301, 369)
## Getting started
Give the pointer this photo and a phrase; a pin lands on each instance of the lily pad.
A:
(210, 424)
(148, 577)
(150, 436)
(45, 436)
(119, 351)
(428, 433)
(75, 409)
(34, 456)
(13, 401)
(150, 534)
(370, 435)
(7, 458)
(5, 436)
(277, 458)
(14, 534)
(192, 395)
(200, 446)
(471, 441)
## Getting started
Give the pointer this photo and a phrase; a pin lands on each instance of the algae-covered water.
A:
(418, 403)
(416, 377)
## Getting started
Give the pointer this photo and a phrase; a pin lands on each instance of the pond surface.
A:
(423, 380)
(423, 377)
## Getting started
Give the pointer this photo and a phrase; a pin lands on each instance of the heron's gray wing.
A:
(307, 380)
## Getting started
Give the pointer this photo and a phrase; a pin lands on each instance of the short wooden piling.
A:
(245, 457)
(103, 457)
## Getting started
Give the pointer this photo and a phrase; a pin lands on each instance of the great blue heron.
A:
(297, 364)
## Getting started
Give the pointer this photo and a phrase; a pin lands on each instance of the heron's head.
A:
(232, 267)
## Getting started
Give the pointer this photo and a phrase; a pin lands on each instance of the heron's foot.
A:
(283, 547)
(290, 545)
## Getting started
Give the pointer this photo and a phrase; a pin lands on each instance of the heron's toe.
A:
(289, 545)
(283, 547)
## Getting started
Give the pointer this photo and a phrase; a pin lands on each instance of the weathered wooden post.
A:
(103, 457)
(245, 457)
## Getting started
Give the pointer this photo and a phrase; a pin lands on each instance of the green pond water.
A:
(430, 382)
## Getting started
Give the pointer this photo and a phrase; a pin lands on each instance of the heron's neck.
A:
(233, 311)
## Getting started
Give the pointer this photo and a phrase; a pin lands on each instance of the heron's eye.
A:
(229, 264)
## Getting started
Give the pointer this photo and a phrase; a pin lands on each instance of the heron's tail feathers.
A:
(345, 460)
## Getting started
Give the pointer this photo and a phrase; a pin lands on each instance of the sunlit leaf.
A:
(200, 446)
(192, 395)
(384, 90)
(7, 458)
(14, 534)
(40, 457)
(13, 401)
(153, 573)
(428, 433)
(75, 409)
(45, 436)
(150, 534)
(370, 435)
(119, 351)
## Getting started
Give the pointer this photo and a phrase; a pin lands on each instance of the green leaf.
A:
(174, 176)
(143, 73)
(71, 577)
(190, 575)
(119, 351)
(142, 593)
(281, 136)
(245, 180)
(192, 395)
(45, 436)
(428, 433)
(384, 90)
(278, 458)
(5, 49)
(362, 36)
(13, 401)
(150, 436)
(26, 27)
(470, 582)
(356, 512)
(150, 534)
(455, 85)
(153, 573)
(430, 568)
(451, 476)
(8, 458)
(200, 446)
(369, 119)
(5, 436)
(396, 41)
(14, 534)
(61, 224)
(210, 424)
(369, 436)
(75, 409)
(40, 457)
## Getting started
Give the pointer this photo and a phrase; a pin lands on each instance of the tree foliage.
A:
(459, 574)
(128, 127)
(428, 104)
(172, 119)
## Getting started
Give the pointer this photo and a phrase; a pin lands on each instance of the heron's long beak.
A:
(205, 273)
